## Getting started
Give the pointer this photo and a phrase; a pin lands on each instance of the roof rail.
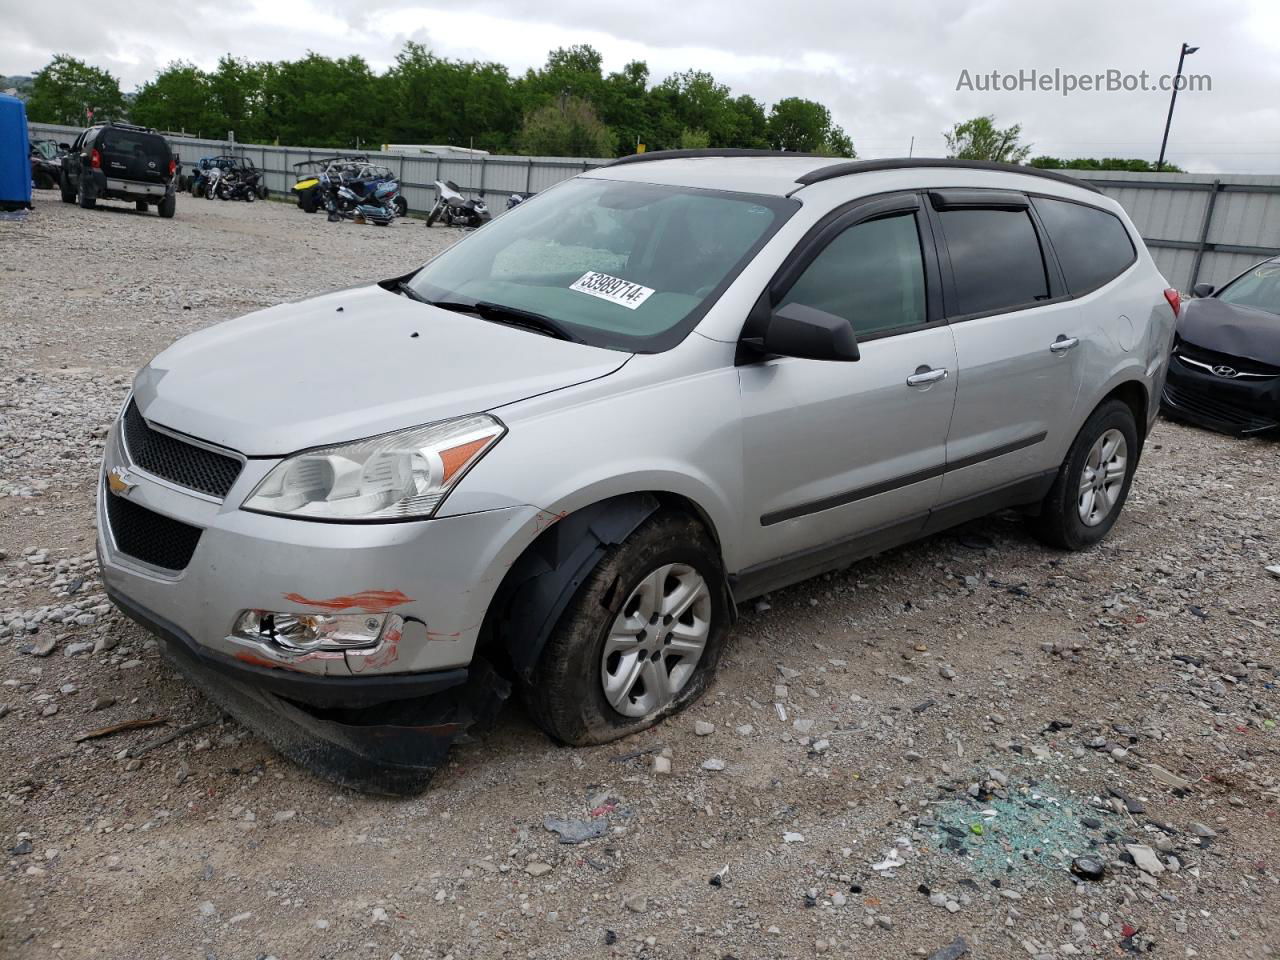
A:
(695, 154)
(121, 125)
(902, 163)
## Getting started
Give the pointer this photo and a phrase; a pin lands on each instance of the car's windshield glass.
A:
(46, 148)
(138, 145)
(1259, 288)
(617, 264)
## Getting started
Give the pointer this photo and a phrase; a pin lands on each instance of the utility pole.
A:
(1186, 51)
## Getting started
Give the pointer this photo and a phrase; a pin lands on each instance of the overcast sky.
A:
(888, 71)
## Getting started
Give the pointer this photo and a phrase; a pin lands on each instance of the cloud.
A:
(888, 72)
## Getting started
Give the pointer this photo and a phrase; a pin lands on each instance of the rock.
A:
(102, 703)
(537, 869)
(1274, 570)
(1200, 829)
(636, 903)
(41, 648)
(1088, 868)
(956, 949)
(75, 649)
(207, 909)
(1145, 858)
(1168, 777)
(661, 766)
(703, 729)
(947, 673)
(792, 837)
(713, 764)
(576, 831)
(744, 730)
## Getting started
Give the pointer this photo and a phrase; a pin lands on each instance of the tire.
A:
(401, 205)
(307, 201)
(167, 206)
(432, 216)
(140, 206)
(263, 192)
(68, 192)
(1062, 522)
(565, 694)
(85, 201)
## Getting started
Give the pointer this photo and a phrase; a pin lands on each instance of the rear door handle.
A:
(1063, 344)
(925, 376)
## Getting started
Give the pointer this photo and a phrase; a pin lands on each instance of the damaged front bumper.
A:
(379, 717)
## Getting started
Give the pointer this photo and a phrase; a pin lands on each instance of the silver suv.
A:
(559, 454)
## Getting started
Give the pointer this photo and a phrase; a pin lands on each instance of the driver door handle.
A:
(1063, 344)
(924, 376)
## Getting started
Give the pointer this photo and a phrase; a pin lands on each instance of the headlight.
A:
(394, 476)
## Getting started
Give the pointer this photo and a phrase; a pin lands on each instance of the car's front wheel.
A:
(1093, 483)
(639, 641)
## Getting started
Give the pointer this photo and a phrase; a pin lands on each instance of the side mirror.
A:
(799, 331)
(1203, 290)
(65, 146)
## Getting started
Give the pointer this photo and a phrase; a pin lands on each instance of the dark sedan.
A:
(1225, 371)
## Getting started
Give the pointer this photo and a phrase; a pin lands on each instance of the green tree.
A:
(694, 139)
(981, 139)
(1105, 163)
(624, 105)
(177, 99)
(235, 98)
(805, 126)
(567, 128)
(434, 100)
(67, 88)
(750, 125)
(321, 101)
(575, 71)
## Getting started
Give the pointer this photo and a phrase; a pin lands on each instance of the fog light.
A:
(303, 632)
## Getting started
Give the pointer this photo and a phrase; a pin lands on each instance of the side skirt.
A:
(785, 571)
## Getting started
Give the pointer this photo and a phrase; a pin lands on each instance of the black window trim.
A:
(1057, 286)
(819, 237)
(1133, 247)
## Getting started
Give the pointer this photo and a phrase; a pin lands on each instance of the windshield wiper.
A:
(408, 291)
(513, 316)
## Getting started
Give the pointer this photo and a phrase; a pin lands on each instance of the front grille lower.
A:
(1198, 403)
(176, 461)
(148, 536)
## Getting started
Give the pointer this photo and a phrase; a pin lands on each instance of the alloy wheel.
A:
(656, 641)
(1102, 479)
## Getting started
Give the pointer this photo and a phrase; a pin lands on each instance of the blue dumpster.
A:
(15, 155)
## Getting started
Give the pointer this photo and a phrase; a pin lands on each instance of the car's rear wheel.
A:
(639, 641)
(167, 206)
(68, 192)
(85, 200)
(1093, 483)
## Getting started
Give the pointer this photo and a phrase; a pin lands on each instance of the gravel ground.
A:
(964, 718)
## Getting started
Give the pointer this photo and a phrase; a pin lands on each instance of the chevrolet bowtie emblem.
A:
(118, 482)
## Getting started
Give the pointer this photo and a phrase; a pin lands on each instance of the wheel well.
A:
(542, 581)
(1134, 395)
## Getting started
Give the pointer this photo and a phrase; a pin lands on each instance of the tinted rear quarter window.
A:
(995, 258)
(1092, 245)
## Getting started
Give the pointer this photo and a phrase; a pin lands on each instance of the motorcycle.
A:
(242, 185)
(377, 204)
(516, 199)
(212, 177)
(455, 210)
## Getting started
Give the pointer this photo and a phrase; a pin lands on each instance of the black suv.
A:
(120, 161)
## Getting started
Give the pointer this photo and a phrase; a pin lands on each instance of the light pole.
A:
(1186, 51)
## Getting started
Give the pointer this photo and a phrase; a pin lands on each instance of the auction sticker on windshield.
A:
(614, 289)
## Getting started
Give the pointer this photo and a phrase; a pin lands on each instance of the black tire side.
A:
(64, 187)
(564, 695)
(167, 206)
(1059, 524)
(85, 201)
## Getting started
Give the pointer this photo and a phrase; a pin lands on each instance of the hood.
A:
(346, 366)
(1234, 330)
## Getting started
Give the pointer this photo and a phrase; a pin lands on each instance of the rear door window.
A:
(996, 260)
(1092, 245)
